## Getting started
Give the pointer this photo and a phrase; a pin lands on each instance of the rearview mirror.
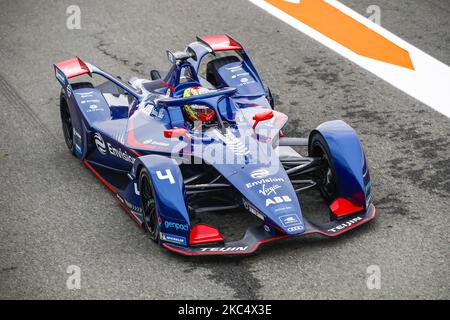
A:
(262, 116)
(176, 133)
(171, 57)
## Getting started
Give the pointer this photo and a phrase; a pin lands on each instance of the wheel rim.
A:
(67, 125)
(329, 187)
(149, 208)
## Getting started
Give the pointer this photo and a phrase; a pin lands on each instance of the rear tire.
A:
(328, 178)
(149, 207)
(66, 121)
(66, 118)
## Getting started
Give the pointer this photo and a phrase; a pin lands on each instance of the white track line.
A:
(428, 83)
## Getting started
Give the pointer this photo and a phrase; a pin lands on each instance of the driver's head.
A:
(196, 112)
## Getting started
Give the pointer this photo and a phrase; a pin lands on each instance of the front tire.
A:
(149, 207)
(328, 178)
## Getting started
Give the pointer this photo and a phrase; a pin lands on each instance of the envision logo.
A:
(259, 174)
(100, 143)
(116, 152)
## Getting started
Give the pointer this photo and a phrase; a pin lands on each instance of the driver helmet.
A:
(196, 112)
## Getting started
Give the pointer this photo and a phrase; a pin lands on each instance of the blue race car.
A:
(205, 137)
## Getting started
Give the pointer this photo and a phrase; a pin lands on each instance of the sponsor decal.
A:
(78, 149)
(267, 228)
(94, 108)
(156, 143)
(277, 200)
(117, 152)
(224, 249)
(133, 207)
(259, 174)
(61, 77)
(245, 82)
(173, 238)
(239, 75)
(120, 198)
(368, 186)
(292, 222)
(69, 90)
(100, 143)
(176, 226)
(369, 200)
(148, 109)
(234, 69)
(90, 101)
(345, 225)
(285, 208)
(253, 210)
(161, 113)
(294, 229)
(76, 134)
(267, 191)
(263, 181)
(105, 148)
(86, 94)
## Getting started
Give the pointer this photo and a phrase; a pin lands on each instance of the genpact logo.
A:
(176, 226)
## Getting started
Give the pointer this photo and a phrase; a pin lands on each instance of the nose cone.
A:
(270, 191)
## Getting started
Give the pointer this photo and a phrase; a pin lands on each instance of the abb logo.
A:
(277, 200)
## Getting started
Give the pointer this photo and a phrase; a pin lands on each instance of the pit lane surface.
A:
(55, 213)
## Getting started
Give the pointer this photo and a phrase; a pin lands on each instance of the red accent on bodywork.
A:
(177, 132)
(335, 234)
(262, 116)
(342, 207)
(221, 43)
(137, 144)
(171, 87)
(203, 233)
(110, 187)
(73, 67)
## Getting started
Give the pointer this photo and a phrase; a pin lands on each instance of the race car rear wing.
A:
(75, 67)
(220, 43)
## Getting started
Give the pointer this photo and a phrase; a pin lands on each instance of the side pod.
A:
(168, 186)
(348, 159)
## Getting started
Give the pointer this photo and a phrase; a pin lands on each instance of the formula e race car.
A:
(205, 138)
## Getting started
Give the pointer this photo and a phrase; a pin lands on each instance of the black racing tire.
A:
(149, 206)
(66, 121)
(66, 118)
(328, 179)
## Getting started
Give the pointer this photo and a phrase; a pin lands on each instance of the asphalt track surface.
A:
(55, 213)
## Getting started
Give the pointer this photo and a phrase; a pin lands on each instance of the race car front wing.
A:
(255, 236)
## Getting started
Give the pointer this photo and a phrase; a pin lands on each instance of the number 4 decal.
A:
(167, 176)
